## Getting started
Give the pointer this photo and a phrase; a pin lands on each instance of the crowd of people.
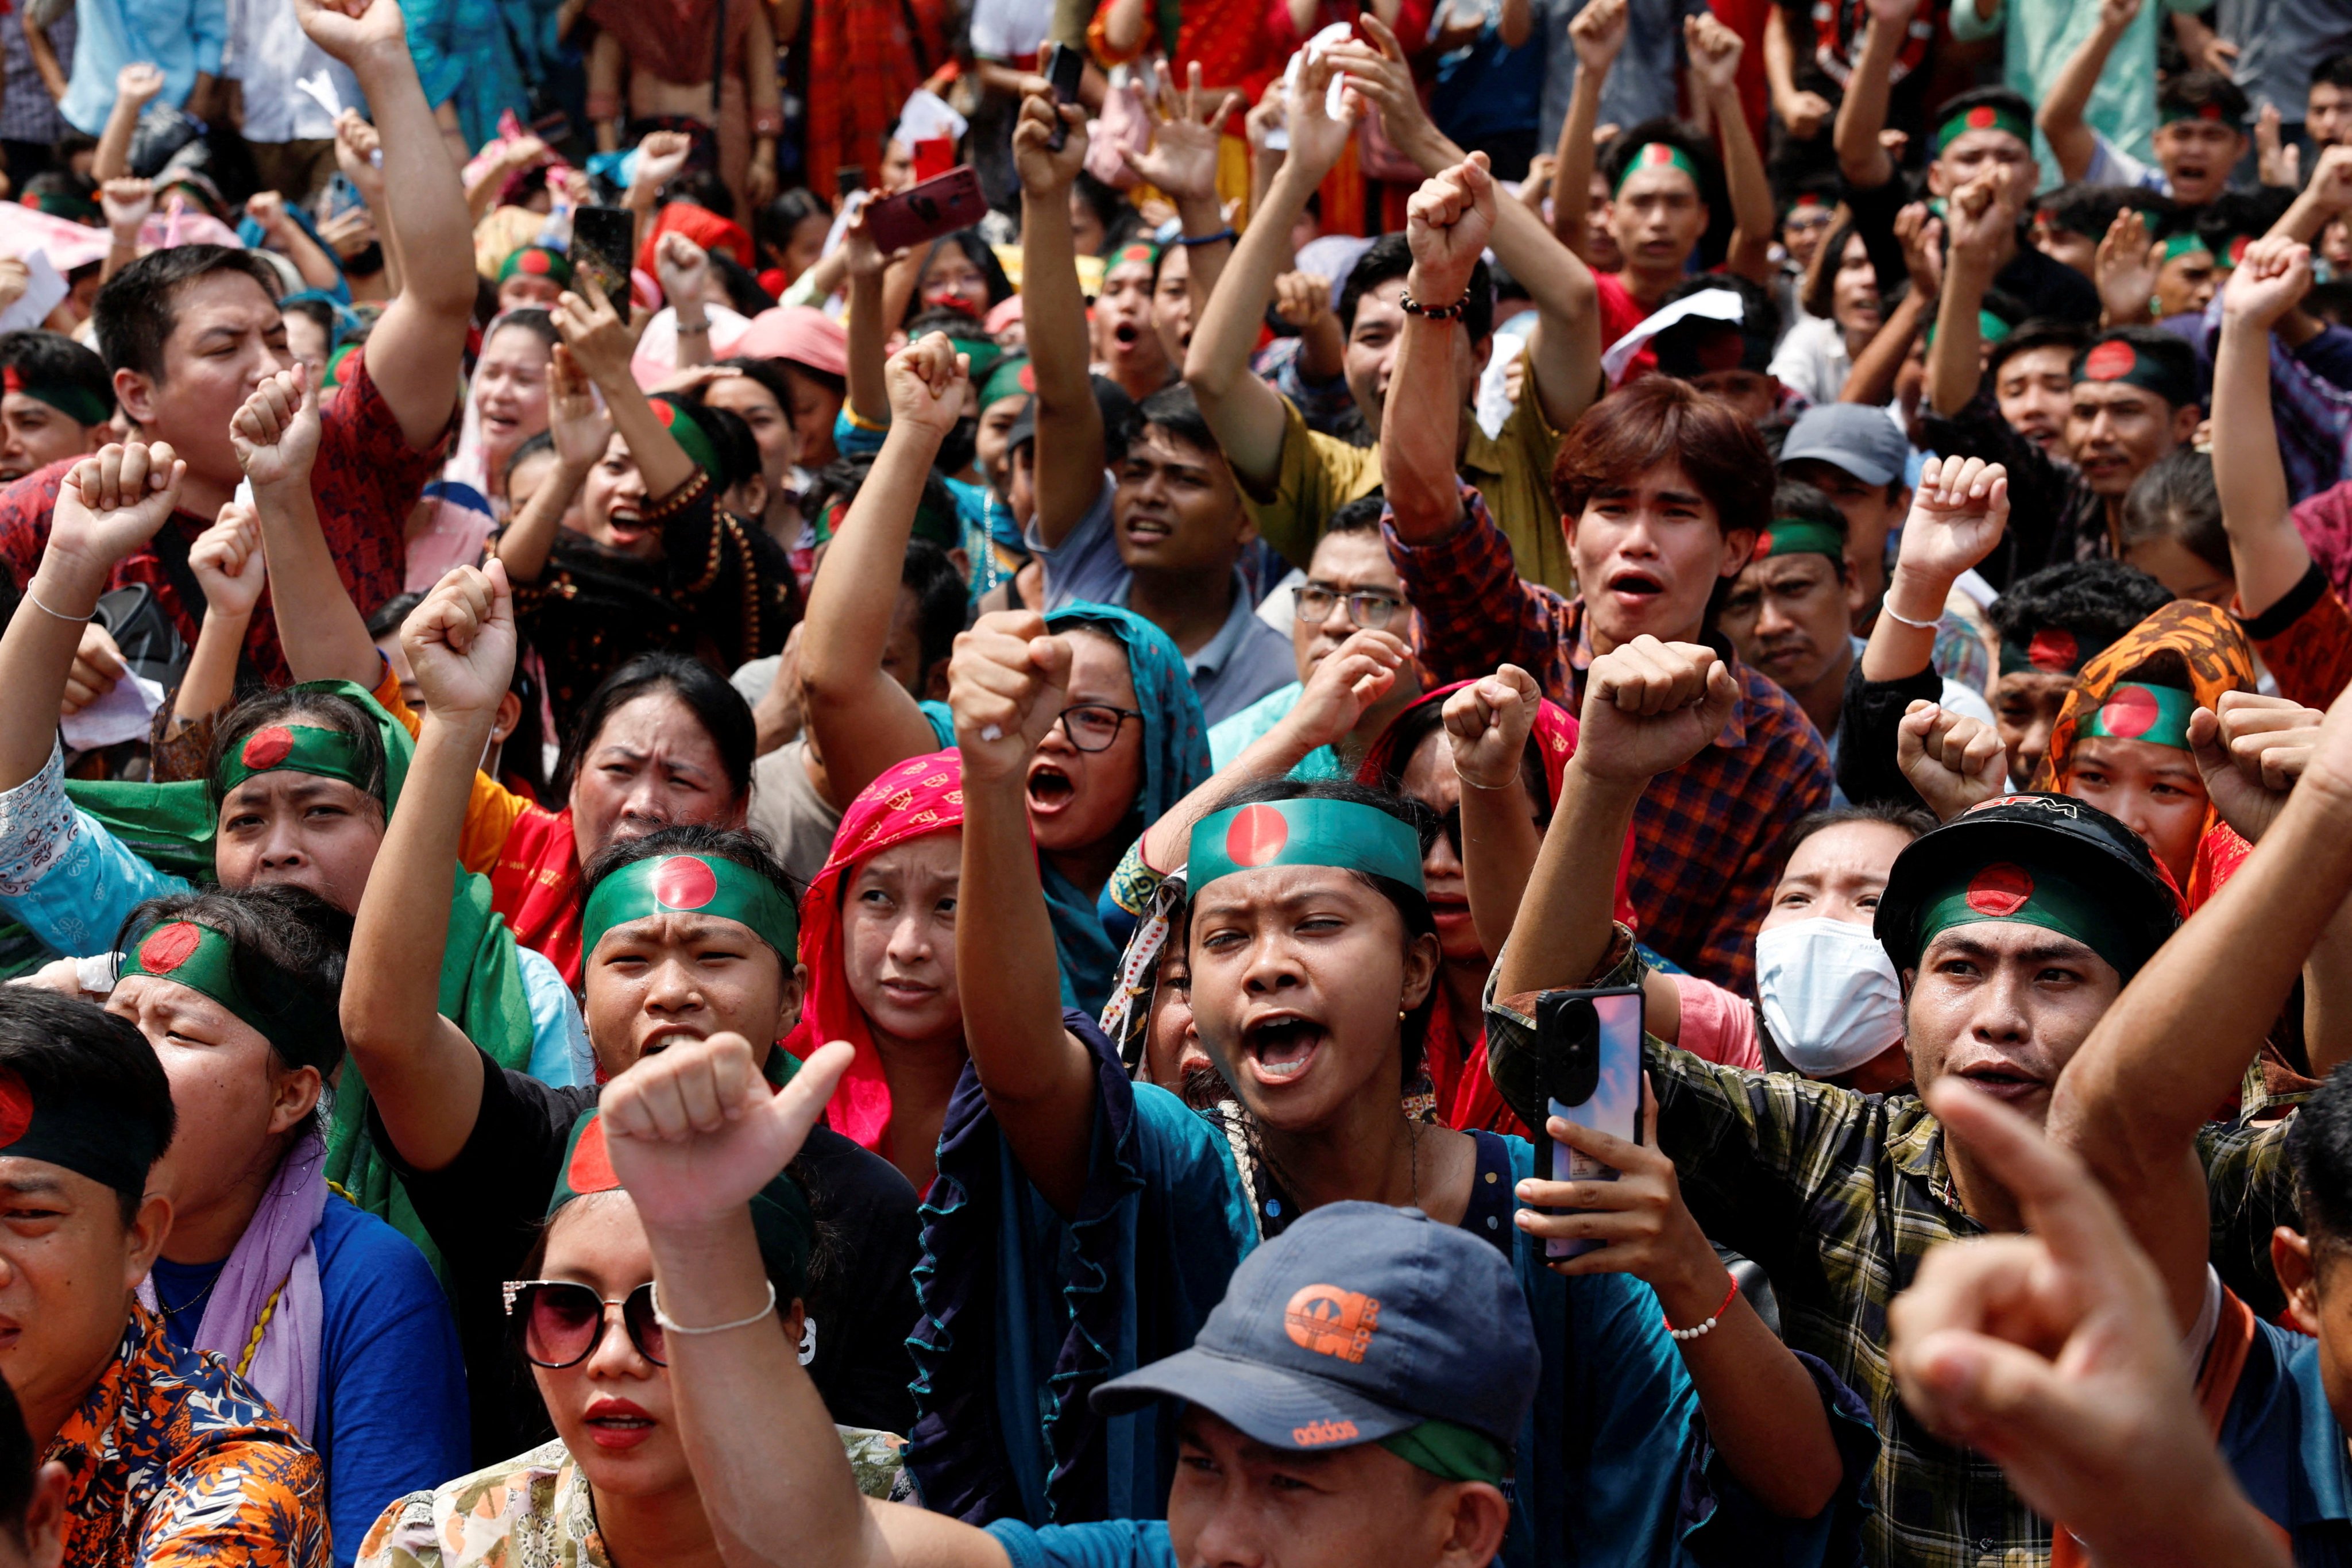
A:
(927, 863)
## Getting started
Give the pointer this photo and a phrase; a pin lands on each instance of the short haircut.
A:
(1361, 515)
(2195, 89)
(942, 598)
(51, 358)
(768, 373)
(322, 709)
(2172, 353)
(715, 704)
(2088, 209)
(1175, 409)
(742, 285)
(746, 847)
(2176, 500)
(1807, 503)
(1659, 420)
(2000, 99)
(284, 942)
(2319, 1153)
(2335, 70)
(2098, 601)
(1679, 348)
(2039, 332)
(139, 309)
(63, 1045)
(1391, 256)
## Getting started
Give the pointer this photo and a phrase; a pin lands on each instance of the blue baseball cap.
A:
(1359, 1323)
(1851, 436)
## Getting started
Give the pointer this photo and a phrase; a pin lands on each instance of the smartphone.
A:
(1066, 68)
(920, 214)
(848, 180)
(1590, 1045)
(605, 247)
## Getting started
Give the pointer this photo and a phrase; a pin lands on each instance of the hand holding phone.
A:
(604, 246)
(1591, 1044)
(920, 214)
(1066, 68)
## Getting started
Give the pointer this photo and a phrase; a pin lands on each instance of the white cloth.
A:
(1010, 29)
(1812, 360)
(269, 51)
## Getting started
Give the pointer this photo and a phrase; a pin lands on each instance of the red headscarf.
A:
(1467, 1097)
(700, 225)
(919, 797)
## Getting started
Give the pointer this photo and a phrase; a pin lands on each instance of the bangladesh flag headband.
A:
(2053, 651)
(2156, 714)
(79, 403)
(1142, 250)
(1981, 117)
(291, 748)
(688, 433)
(1656, 155)
(692, 884)
(1305, 832)
(203, 959)
(78, 1133)
(1798, 536)
(2006, 890)
(2180, 245)
(779, 1211)
(1010, 378)
(537, 261)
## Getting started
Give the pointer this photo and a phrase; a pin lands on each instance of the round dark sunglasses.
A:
(560, 1321)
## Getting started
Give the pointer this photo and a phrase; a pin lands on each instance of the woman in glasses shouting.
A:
(614, 1486)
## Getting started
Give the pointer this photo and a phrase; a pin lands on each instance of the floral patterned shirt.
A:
(174, 1460)
(535, 1511)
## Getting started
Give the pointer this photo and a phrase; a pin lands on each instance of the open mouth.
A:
(1145, 529)
(626, 526)
(1281, 1046)
(665, 1037)
(1126, 334)
(617, 1423)
(1639, 585)
(2002, 1083)
(1050, 789)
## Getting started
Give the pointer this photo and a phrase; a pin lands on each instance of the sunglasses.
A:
(560, 1321)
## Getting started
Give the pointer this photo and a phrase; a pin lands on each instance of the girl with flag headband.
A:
(325, 1310)
(1313, 961)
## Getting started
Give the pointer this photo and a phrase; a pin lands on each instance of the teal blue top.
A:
(1229, 737)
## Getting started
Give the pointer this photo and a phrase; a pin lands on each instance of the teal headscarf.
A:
(1175, 763)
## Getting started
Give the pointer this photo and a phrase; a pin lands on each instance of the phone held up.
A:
(1065, 67)
(1590, 1046)
(920, 214)
(604, 246)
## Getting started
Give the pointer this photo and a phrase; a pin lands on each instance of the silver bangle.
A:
(35, 599)
(671, 1327)
(1900, 619)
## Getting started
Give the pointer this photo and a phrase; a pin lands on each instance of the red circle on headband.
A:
(2000, 891)
(684, 882)
(267, 746)
(590, 1170)
(2110, 361)
(1027, 378)
(1763, 546)
(2052, 650)
(16, 1107)
(2130, 714)
(535, 262)
(1982, 118)
(168, 947)
(1256, 836)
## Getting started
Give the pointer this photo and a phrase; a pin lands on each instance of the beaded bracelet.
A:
(1412, 307)
(1699, 1331)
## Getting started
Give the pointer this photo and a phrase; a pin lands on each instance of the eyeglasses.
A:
(560, 1321)
(1093, 726)
(1311, 602)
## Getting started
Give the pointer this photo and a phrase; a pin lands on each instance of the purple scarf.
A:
(276, 1250)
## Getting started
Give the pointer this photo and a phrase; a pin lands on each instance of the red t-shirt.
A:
(1620, 314)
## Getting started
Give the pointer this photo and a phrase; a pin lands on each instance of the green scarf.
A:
(171, 826)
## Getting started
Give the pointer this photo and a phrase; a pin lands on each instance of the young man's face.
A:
(1972, 153)
(1124, 336)
(1344, 565)
(1656, 217)
(2035, 391)
(2004, 1005)
(2197, 156)
(1790, 616)
(2059, 243)
(228, 338)
(1370, 357)
(67, 1266)
(34, 435)
(2025, 705)
(2186, 283)
(1172, 302)
(1872, 512)
(1803, 231)
(1647, 553)
(1236, 1500)
(2328, 116)
(1176, 508)
(2115, 431)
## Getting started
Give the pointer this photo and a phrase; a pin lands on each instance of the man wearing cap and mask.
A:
(2013, 927)
(168, 1457)
(57, 402)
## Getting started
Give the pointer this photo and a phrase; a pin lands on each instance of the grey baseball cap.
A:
(1854, 436)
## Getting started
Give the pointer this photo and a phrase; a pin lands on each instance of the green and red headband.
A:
(1990, 328)
(2007, 891)
(204, 960)
(1010, 378)
(2119, 360)
(1655, 155)
(537, 261)
(79, 403)
(2176, 246)
(2052, 650)
(1982, 117)
(693, 884)
(1310, 831)
(2168, 113)
(78, 1133)
(292, 747)
(2137, 711)
(1142, 250)
(779, 1211)
(691, 438)
(1797, 536)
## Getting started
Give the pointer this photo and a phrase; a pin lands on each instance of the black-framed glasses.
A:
(1312, 602)
(1093, 726)
(561, 1321)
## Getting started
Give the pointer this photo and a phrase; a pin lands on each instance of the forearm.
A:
(530, 537)
(1895, 649)
(659, 457)
(1203, 217)
(1779, 60)
(113, 159)
(693, 334)
(1956, 359)
(1764, 1412)
(1871, 379)
(1053, 312)
(1500, 842)
(868, 350)
(1419, 430)
(1861, 159)
(37, 653)
(324, 636)
(1565, 352)
(2266, 552)
(1567, 918)
(425, 207)
(1752, 192)
(209, 683)
(318, 268)
(851, 600)
(45, 59)
(2061, 116)
(2305, 217)
(1226, 332)
(1571, 175)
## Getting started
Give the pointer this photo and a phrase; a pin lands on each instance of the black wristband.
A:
(1189, 240)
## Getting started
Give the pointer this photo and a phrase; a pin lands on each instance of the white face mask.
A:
(1829, 993)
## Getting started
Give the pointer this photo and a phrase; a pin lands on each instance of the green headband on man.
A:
(293, 747)
(204, 960)
(2138, 711)
(1451, 1453)
(1982, 117)
(693, 884)
(1655, 155)
(780, 1218)
(1311, 830)
(2007, 891)
(2118, 359)
(537, 261)
(2167, 113)
(79, 403)
(86, 1135)
(1990, 328)
(1797, 536)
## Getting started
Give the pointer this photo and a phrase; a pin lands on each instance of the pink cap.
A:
(1006, 312)
(794, 332)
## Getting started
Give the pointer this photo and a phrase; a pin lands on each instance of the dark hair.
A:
(2098, 601)
(1391, 256)
(699, 188)
(1175, 409)
(531, 318)
(2335, 70)
(715, 705)
(838, 385)
(1507, 285)
(744, 291)
(1113, 211)
(2176, 500)
(1911, 820)
(1619, 156)
(746, 847)
(1361, 515)
(2236, 213)
(284, 942)
(842, 479)
(1412, 904)
(2194, 89)
(1820, 282)
(1796, 499)
(976, 252)
(53, 357)
(2170, 352)
(1413, 729)
(317, 312)
(63, 1045)
(2039, 332)
(773, 224)
(2088, 209)
(323, 709)
(939, 319)
(768, 373)
(942, 600)
(139, 307)
(388, 617)
(2319, 1153)
(1658, 420)
(529, 446)
(730, 437)
(2001, 99)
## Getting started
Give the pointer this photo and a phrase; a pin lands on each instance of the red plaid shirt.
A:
(1708, 836)
(366, 481)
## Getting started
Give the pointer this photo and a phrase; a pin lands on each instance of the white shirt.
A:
(268, 50)
(1813, 359)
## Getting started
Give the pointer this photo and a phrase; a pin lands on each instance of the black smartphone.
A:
(1590, 1043)
(605, 247)
(848, 180)
(1066, 68)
